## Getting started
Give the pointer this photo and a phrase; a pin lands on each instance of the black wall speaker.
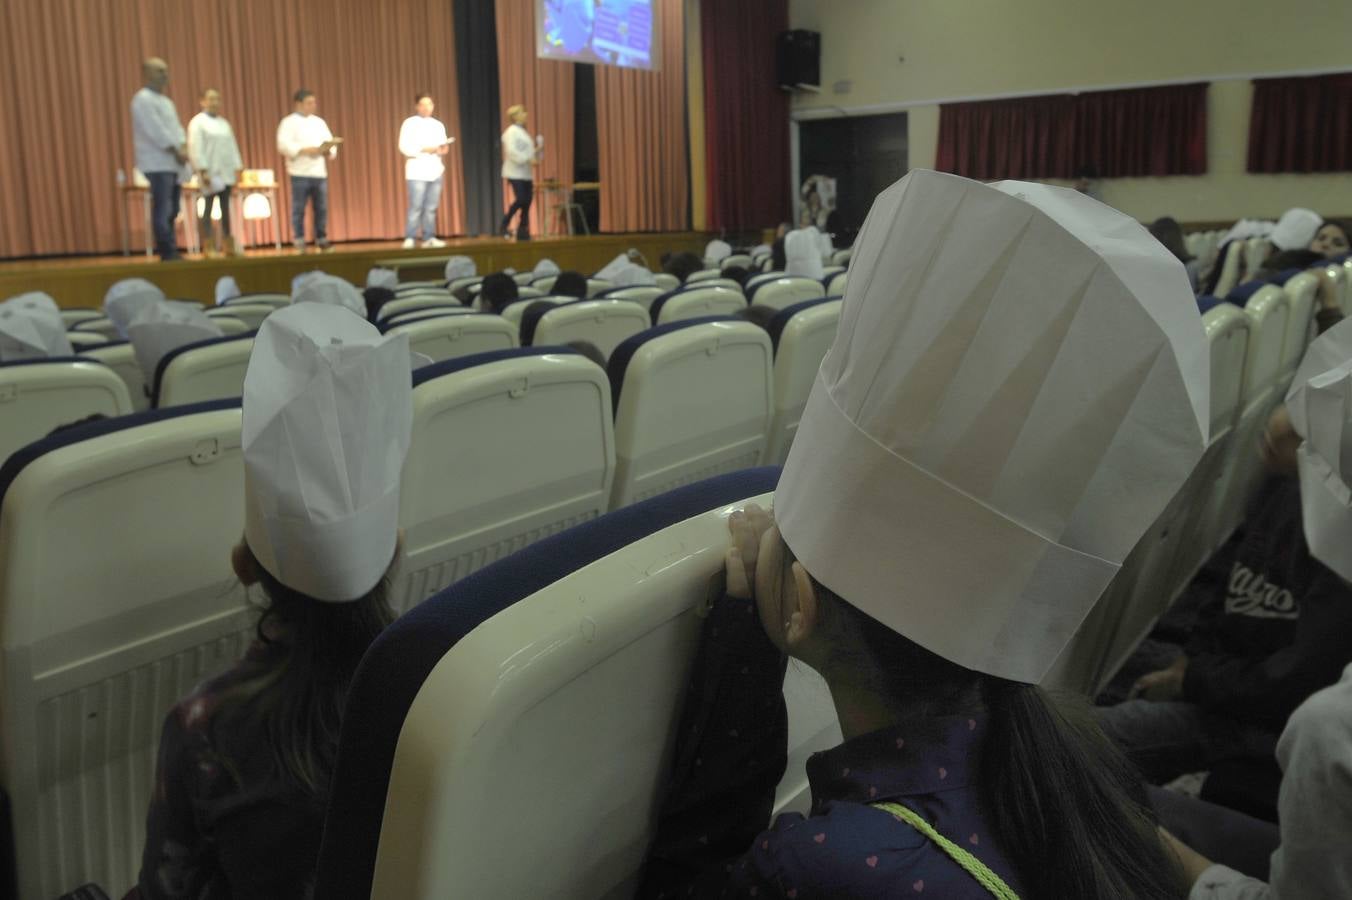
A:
(799, 60)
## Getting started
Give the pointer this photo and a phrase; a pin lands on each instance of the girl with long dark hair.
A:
(245, 760)
(965, 481)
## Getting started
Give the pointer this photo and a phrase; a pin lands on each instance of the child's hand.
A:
(747, 526)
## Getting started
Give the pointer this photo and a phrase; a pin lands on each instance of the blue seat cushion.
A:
(460, 363)
(1242, 294)
(781, 319)
(399, 661)
(175, 353)
(621, 355)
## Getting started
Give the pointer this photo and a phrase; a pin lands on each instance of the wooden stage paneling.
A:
(82, 282)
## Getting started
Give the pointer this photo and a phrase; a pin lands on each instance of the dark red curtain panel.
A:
(746, 114)
(1145, 131)
(1301, 124)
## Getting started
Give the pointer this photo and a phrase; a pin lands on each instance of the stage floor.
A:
(82, 281)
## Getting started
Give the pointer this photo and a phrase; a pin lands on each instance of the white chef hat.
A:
(624, 272)
(803, 253)
(1320, 403)
(1018, 386)
(716, 251)
(127, 297)
(328, 412)
(165, 325)
(31, 328)
(330, 289)
(226, 289)
(382, 278)
(302, 280)
(1295, 229)
(460, 267)
(545, 267)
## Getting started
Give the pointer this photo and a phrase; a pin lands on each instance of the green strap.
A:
(975, 867)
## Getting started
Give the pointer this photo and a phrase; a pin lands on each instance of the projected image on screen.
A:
(613, 32)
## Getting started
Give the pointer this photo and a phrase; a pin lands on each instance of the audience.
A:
(245, 759)
(683, 265)
(948, 741)
(1333, 240)
(499, 291)
(1169, 233)
(570, 284)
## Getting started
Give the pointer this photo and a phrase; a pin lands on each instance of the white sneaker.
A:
(409, 243)
(433, 242)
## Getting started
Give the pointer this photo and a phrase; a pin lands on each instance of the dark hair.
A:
(1293, 259)
(779, 261)
(738, 274)
(375, 298)
(420, 98)
(1068, 807)
(758, 315)
(683, 265)
(499, 291)
(298, 695)
(570, 284)
(1169, 233)
(1338, 224)
(589, 350)
(302, 95)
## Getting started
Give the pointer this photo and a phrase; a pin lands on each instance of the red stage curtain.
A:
(1145, 131)
(1301, 124)
(746, 114)
(70, 69)
(545, 88)
(640, 126)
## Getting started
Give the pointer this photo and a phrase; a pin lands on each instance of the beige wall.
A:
(967, 49)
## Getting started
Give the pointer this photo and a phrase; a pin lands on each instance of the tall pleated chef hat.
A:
(1018, 387)
(328, 411)
(165, 325)
(126, 298)
(31, 327)
(330, 290)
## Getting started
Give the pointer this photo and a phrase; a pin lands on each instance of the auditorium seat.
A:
(38, 395)
(527, 713)
(603, 323)
(737, 259)
(643, 295)
(391, 308)
(424, 284)
(71, 316)
(508, 447)
(513, 312)
(835, 284)
(121, 358)
(118, 598)
(84, 340)
(450, 336)
(1231, 268)
(693, 399)
(842, 257)
(544, 284)
(523, 279)
(598, 286)
(270, 298)
(1169, 554)
(696, 302)
(102, 325)
(1346, 302)
(703, 283)
(801, 334)
(251, 314)
(703, 275)
(1300, 298)
(667, 281)
(785, 291)
(230, 326)
(1256, 250)
(435, 312)
(468, 281)
(204, 370)
(762, 278)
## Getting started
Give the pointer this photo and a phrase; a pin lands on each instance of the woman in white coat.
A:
(214, 154)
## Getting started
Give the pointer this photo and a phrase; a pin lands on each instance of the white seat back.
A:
(436, 312)
(72, 316)
(596, 286)
(666, 281)
(544, 284)
(121, 358)
(1300, 298)
(603, 323)
(229, 325)
(251, 314)
(643, 295)
(803, 341)
(458, 283)
(506, 450)
(842, 257)
(448, 337)
(391, 308)
(737, 259)
(117, 597)
(693, 303)
(835, 287)
(37, 396)
(523, 278)
(83, 340)
(762, 278)
(1231, 269)
(197, 373)
(271, 299)
(424, 284)
(786, 291)
(100, 325)
(694, 402)
(704, 275)
(1256, 251)
(513, 312)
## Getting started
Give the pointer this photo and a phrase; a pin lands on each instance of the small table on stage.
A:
(564, 203)
(188, 209)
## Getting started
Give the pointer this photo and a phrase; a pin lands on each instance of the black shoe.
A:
(523, 235)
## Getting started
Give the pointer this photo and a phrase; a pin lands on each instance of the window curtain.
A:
(640, 123)
(545, 88)
(1117, 134)
(71, 68)
(747, 126)
(476, 57)
(1301, 124)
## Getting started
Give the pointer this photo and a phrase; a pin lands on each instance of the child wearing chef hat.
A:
(31, 328)
(245, 760)
(1016, 390)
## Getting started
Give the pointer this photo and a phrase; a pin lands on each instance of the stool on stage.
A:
(564, 203)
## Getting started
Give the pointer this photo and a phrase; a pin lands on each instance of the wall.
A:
(970, 49)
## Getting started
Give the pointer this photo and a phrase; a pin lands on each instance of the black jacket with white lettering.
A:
(1279, 628)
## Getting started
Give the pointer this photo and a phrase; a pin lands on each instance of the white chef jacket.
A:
(416, 133)
(212, 149)
(1314, 806)
(155, 128)
(297, 131)
(518, 152)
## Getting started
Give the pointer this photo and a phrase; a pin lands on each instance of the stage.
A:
(82, 281)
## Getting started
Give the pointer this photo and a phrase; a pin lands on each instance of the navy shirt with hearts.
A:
(731, 753)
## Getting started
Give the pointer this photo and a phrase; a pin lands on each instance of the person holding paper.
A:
(423, 141)
(306, 142)
(214, 154)
(160, 152)
(519, 155)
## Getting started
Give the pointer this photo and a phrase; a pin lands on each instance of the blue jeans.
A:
(522, 193)
(164, 200)
(423, 199)
(1167, 739)
(302, 189)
